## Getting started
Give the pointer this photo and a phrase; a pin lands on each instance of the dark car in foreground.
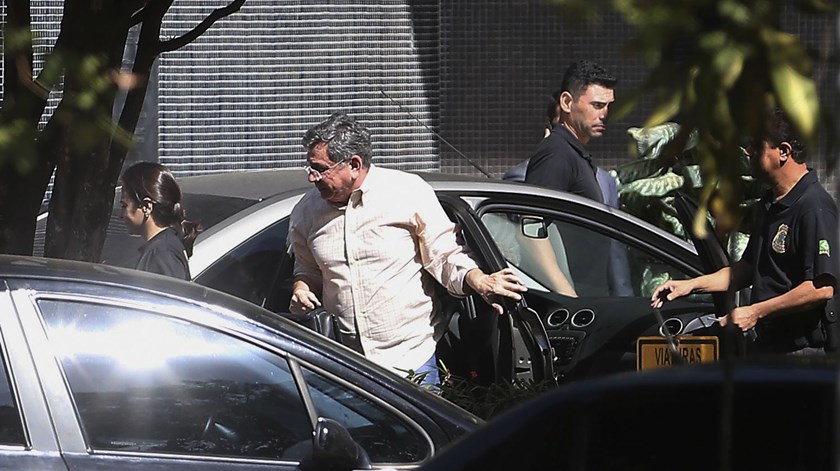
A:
(544, 235)
(764, 415)
(108, 368)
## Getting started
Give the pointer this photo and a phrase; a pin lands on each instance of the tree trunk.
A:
(83, 192)
(79, 142)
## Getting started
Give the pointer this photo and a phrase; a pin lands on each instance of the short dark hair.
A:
(344, 136)
(582, 74)
(779, 129)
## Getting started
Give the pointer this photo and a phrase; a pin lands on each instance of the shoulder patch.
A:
(824, 247)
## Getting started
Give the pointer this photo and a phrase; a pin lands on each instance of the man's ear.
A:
(565, 102)
(785, 151)
(355, 162)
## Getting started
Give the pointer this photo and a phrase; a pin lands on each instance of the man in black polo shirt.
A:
(788, 260)
(561, 162)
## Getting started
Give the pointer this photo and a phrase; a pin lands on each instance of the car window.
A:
(384, 436)
(11, 427)
(144, 382)
(249, 270)
(551, 252)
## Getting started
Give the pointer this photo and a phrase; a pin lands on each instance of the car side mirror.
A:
(333, 448)
(534, 227)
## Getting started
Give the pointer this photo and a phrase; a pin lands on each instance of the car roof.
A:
(20, 266)
(254, 185)
(277, 184)
(259, 185)
(263, 184)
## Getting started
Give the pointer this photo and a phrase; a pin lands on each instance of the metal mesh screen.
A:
(502, 59)
(242, 95)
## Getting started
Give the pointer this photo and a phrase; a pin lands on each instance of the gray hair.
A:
(344, 136)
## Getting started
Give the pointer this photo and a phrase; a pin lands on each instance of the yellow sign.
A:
(653, 352)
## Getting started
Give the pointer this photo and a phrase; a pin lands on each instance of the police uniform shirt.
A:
(562, 163)
(795, 240)
(164, 254)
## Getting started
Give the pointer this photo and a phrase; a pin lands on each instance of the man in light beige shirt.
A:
(366, 240)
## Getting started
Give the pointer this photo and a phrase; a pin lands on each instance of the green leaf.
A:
(638, 169)
(666, 109)
(729, 62)
(798, 97)
(737, 12)
(624, 105)
(693, 176)
(655, 186)
(737, 244)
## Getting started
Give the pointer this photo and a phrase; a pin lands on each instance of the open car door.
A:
(518, 339)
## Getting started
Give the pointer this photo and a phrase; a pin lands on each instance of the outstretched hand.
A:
(669, 291)
(503, 283)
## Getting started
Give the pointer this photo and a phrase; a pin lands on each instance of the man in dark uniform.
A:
(561, 162)
(788, 260)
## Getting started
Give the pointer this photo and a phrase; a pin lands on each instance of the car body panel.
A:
(46, 393)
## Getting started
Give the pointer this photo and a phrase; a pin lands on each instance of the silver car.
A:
(612, 260)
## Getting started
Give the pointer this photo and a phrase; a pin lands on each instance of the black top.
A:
(164, 254)
(562, 163)
(791, 243)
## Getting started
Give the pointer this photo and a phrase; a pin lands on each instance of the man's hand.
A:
(745, 317)
(669, 291)
(502, 283)
(303, 301)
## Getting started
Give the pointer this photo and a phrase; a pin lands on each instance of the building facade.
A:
(435, 80)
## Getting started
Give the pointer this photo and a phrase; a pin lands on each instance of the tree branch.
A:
(139, 15)
(219, 13)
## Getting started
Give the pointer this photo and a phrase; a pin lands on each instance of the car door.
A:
(590, 271)
(27, 437)
(517, 341)
(133, 386)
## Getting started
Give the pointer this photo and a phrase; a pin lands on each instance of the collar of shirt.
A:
(160, 238)
(372, 180)
(564, 132)
(795, 193)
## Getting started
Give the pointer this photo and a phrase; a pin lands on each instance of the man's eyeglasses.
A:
(320, 174)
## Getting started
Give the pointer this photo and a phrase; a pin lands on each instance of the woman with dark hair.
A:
(151, 208)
